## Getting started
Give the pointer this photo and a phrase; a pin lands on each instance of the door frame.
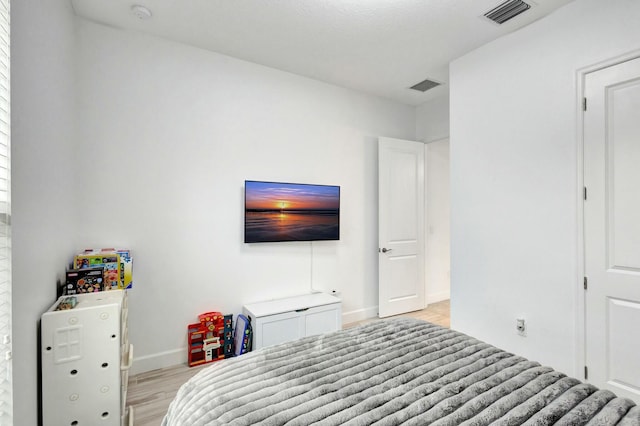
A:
(580, 324)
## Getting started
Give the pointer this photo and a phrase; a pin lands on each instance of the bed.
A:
(391, 372)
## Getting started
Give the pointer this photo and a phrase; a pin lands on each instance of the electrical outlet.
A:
(521, 327)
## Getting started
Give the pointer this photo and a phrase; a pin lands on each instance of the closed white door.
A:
(612, 228)
(400, 226)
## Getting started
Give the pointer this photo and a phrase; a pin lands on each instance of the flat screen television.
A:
(277, 211)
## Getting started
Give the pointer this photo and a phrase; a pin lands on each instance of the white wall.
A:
(514, 177)
(43, 162)
(432, 127)
(438, 241)
(432, 120)
(169, 133)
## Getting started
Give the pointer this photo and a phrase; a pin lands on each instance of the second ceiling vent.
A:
(507, 10)
(425, 85)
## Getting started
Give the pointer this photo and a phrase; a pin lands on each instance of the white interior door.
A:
(400, 226)
(612, 228)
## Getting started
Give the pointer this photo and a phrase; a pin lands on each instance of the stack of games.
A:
(115, 266)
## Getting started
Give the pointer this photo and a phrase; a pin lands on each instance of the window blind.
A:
(6, 397)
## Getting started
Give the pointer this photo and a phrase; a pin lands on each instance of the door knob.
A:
(386, 250)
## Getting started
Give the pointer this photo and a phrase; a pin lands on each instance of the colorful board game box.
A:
(126, 268)
(118, 265)
(87, 280)
(109, 261)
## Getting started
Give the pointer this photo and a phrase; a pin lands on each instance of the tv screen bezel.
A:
(337, 238)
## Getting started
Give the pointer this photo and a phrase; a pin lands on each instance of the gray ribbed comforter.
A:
(399, 371)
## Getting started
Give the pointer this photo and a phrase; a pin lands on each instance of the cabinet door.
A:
(322, 320)
(276, 329)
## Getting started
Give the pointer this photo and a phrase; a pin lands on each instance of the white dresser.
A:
(283, 320)
(86, 356)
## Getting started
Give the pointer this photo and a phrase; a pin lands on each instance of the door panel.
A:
(401, 226)
(622, 180)
(612, 228)
(402, 204)
(624, 360)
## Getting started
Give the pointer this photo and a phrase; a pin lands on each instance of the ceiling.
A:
(381, 47)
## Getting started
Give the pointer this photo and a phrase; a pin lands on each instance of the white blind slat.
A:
(6, 385)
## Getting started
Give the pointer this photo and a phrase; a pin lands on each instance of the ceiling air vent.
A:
(425, 85)
(507, 10)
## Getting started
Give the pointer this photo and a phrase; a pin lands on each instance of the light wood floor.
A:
(150, 393)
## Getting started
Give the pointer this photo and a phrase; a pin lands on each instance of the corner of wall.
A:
(432, 119)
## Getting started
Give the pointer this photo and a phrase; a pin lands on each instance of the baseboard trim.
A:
(438, 297)
(165, 359)
(359, 314)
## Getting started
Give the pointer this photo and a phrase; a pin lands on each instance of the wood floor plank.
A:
(150, 393)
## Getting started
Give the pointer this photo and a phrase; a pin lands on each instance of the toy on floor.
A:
(243, 335)
(210, 339)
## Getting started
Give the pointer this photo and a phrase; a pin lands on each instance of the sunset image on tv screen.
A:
(291, 212)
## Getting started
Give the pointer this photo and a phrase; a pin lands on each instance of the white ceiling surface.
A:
(381, 47)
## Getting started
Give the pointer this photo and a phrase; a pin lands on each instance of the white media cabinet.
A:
(86, 356)
(283, 320)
